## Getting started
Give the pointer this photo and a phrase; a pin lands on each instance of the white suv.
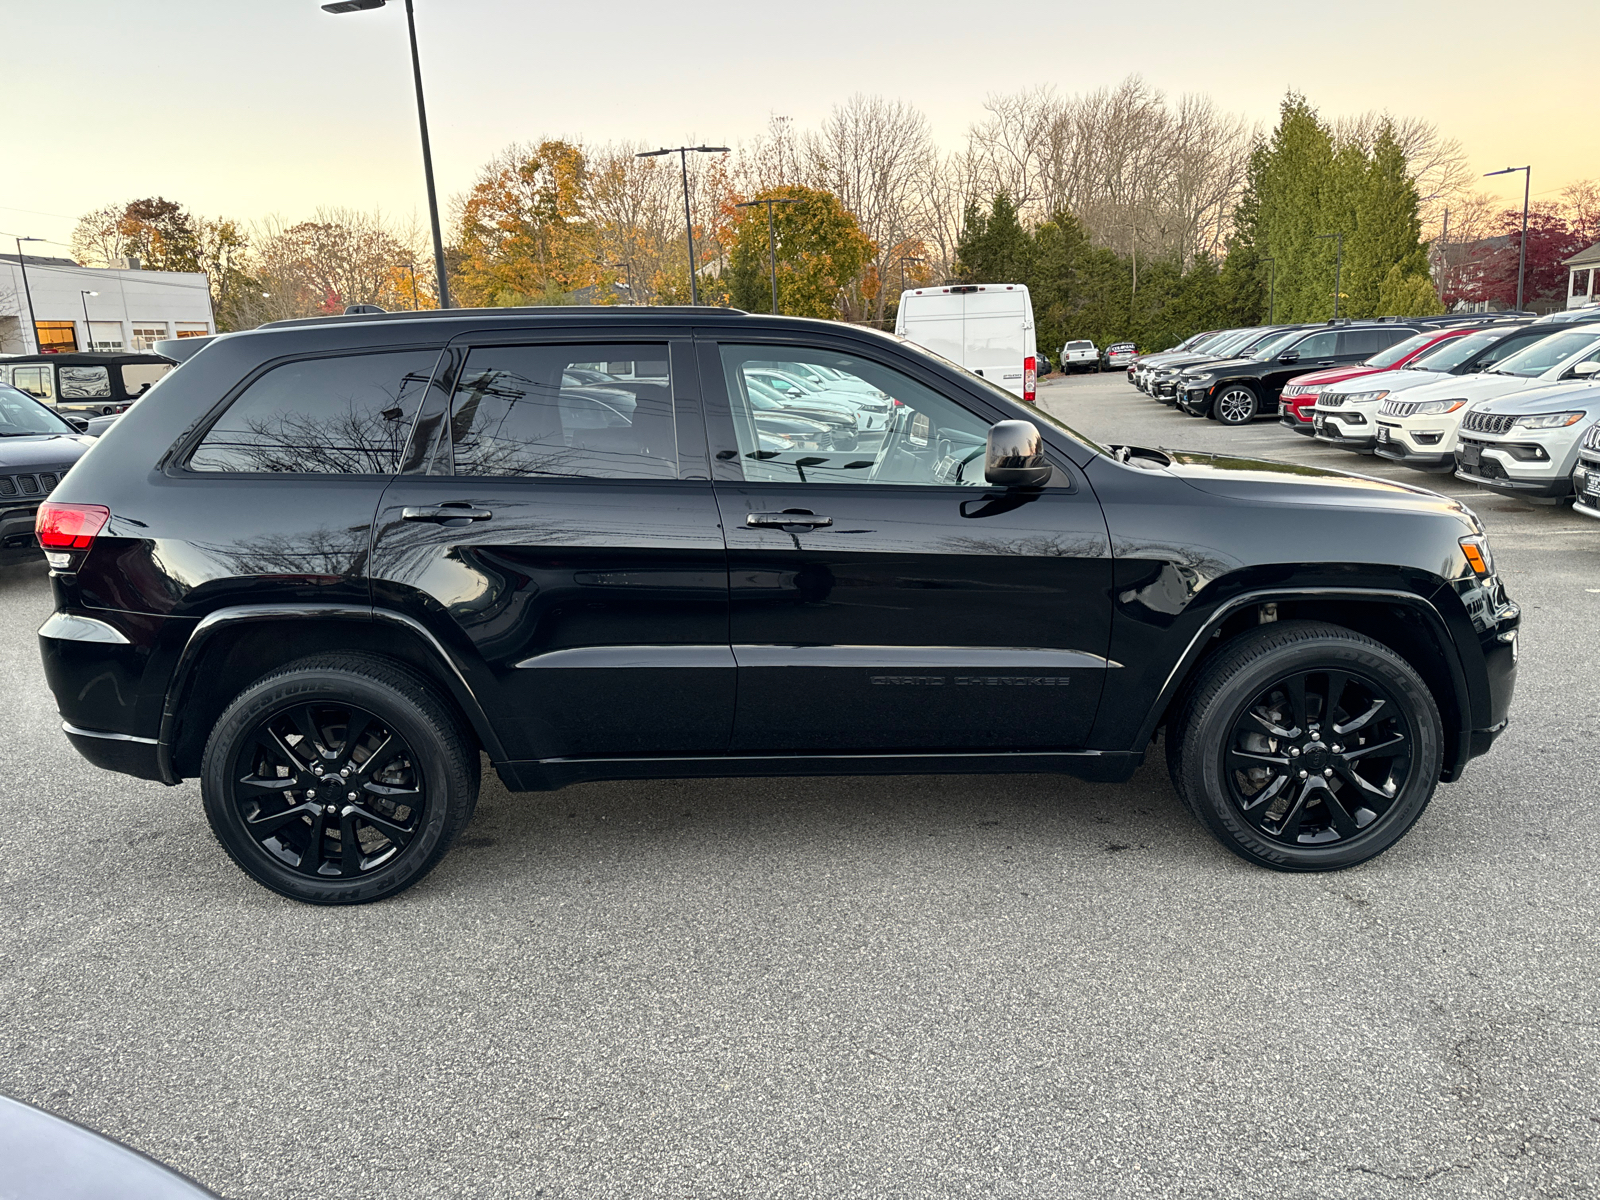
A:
(1418, 429)
(1528, 444)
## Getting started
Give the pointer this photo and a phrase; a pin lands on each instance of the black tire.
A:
(259, 783)
(1235, 404)
(1289, 802)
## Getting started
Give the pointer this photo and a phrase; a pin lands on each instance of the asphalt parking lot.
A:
(1014, 986)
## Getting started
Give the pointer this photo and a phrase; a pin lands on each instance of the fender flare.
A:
(1422, 605)
(188, 658)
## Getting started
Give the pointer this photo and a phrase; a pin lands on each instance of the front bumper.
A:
(17, 542)
(1335, 431)
(1587, 501)
(1491, 465)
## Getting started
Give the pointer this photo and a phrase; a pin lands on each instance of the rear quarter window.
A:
(347, 415)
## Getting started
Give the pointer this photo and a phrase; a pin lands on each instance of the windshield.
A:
(1447, 356)
(1542, 355)
(1272, 347)
(21, 414)
(1401, 350)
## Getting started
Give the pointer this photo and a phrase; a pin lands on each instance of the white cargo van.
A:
(985, 327)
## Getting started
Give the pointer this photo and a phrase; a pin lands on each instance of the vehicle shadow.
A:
(799, 826)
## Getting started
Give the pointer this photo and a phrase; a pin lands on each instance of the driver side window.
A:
(819, 416)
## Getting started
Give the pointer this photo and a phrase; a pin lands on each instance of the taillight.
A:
(1030, 378)
(63, 528)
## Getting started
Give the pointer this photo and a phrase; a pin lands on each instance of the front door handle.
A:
(444, 512)
(795, 517)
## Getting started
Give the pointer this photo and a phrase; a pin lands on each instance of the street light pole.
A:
(1522, 246)
(1338, 263)
(688, 220)
(344, 6)
(22, 265)
(772, 240)
(1272, 289)
(88, 333)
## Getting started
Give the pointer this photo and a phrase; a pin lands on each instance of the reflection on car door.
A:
(552, 530)
(885, 599)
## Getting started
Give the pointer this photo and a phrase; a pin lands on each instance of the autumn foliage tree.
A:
(821, 253)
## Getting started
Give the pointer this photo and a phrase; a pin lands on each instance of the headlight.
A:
(1550, 420)
(1476, 548)
(1432, 408)
(1365, 397)
(1197, 378)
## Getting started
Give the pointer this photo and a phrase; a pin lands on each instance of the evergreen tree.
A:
(993, 247)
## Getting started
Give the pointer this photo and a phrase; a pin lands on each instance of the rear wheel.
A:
(1306, 747)
(338, 780)
(1236, 404)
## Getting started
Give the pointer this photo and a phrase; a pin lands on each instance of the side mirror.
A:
(1014, 456)
(1289, 358)
(1584, 369)
(78, 423)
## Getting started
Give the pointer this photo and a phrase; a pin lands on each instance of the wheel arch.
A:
(1408, 623)
(233, 646)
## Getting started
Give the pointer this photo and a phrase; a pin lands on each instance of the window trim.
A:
(728, 471)
(176, 462)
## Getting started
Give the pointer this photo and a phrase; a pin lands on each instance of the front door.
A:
(551, 532)
(884, 598)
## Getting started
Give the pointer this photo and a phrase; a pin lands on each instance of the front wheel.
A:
(338, 780)
(1304, 746)
(1236, 404)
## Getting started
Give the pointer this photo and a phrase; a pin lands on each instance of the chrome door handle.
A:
(810, 520)
(444, 512)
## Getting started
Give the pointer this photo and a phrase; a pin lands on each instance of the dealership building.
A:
(95, 308)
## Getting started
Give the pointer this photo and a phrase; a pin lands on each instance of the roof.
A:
(548, 310)
(39, 260)
(1584, 258)
(84, 359)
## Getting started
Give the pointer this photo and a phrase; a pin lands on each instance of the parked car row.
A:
(1506, 401)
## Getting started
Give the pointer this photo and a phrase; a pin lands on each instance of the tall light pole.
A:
(22, 265)
(1522, 246)
(683, 153)
(1272, 289)
(772, 240)
(88, 333)
(1338, 262)
(346, 6)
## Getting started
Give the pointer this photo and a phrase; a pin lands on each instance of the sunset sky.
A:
(247, 108)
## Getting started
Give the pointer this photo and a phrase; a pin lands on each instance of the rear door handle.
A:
(444, 512)
(810, 520)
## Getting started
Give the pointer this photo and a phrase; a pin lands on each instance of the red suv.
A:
(1294, 405)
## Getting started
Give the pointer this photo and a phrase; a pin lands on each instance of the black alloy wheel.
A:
(1235, 404)
(1304, 746)
(328, 789)
(1317, 757)
(339, 780)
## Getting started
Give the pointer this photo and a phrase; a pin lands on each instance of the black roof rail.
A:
(544, 310)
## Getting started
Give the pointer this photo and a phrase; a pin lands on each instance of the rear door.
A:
(936, 321)
(999, 335)
(561, 534)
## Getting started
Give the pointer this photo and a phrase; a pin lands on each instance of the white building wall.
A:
(170, 302)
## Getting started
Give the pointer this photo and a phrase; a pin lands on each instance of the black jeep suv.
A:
(1237, 391)
(333, 562)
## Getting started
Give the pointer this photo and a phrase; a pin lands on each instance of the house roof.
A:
(39, 260)
(1584, 258)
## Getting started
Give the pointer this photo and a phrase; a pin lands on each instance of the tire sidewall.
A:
(338, 687)
(1212, 727)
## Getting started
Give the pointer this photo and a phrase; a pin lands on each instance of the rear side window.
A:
(85, 383)
(592, 412)
(1364, 343)
(321, 416)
